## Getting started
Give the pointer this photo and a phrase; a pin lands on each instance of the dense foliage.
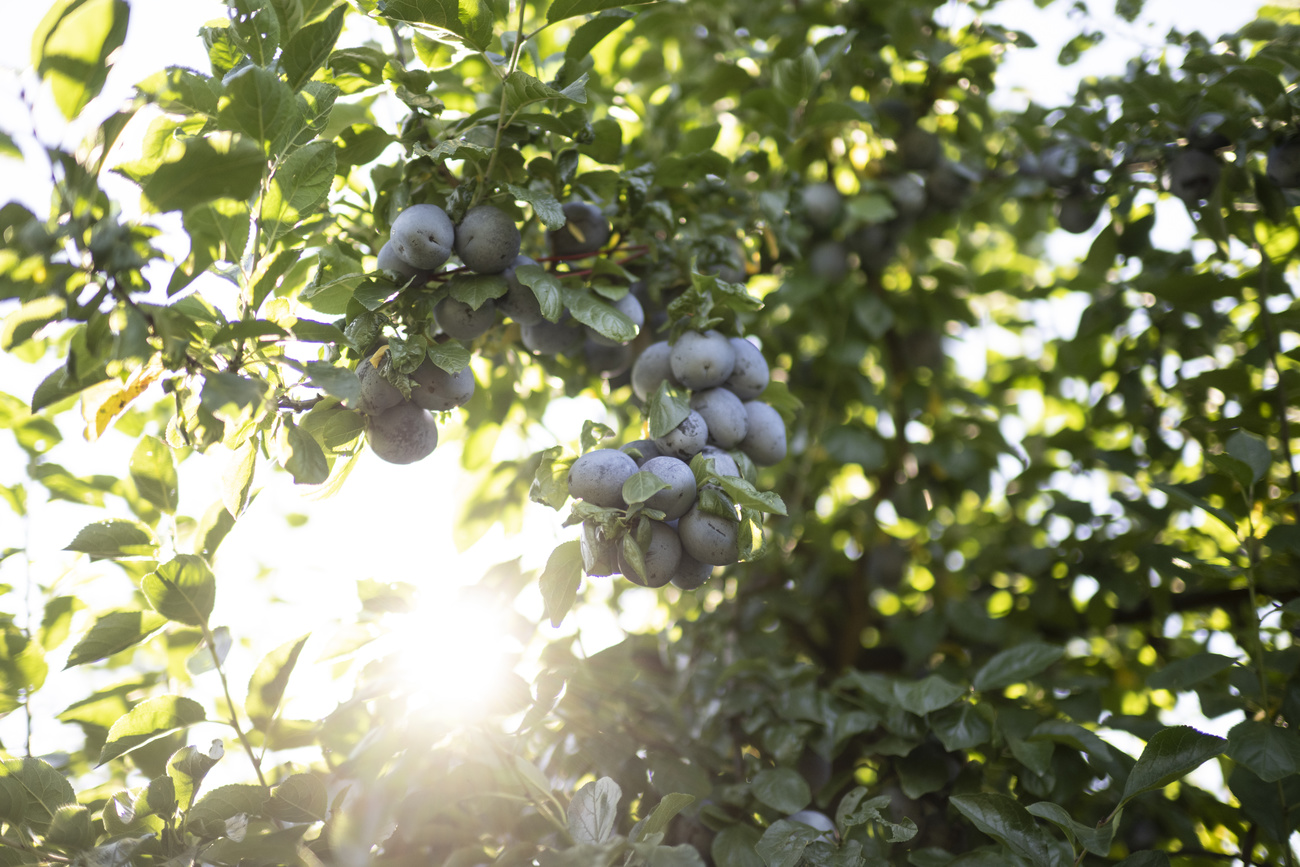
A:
(970, 571)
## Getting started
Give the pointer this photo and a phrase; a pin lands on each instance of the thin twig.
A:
(230, 703)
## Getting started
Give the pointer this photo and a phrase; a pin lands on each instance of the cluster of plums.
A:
(725, 377)
(487, 241)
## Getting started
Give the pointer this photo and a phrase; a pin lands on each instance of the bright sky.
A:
(391, 523)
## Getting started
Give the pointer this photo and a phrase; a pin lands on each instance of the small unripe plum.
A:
(765, 441)
(389, 260)
(606, 359)
(647, 448)
(724, 413)
(691, 573)
(377, 393)
(487, 240)
(552, 338)
(585, 231)
(750, 375)
(823, 204)
(651, 368)
(520, 302)
(1284, 163)
(437, 390)
(908, 195)
(424, 236)
(687, 439)
(723, 463)
(457, 319)
(1078, 213)
(403, 434)
(598, 476)
(829, 261)
(676, 500)
(1059, 165)
(599, 552)
(948, 184)
(660, 557)
(918, 149)
(709, 538)
(702, 360)
(1193, 175)
(629, 307)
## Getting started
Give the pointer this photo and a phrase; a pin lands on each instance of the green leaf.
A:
(590, 34)
(1016, 664)
(784, 842)
(71, 47)
(782, 789)
(545, 286)
(299, 453)
(1146, 858)
(309, 48)
(192, 171)
(1006, 821)
(794, 77)
(560, 580)
(856, 809)
(261, 105)
(335, 381)
(237, 480)
(187, 767)
(551, 483)
(113, 633)
(154, 474)
(522, 90)
(267, 685)
(115, 539)
(474, 289)
(1095, 840)
(664, 812)
(961, 727)
(592, 433)
(1184, 673)
(593, 811)
(470, 21)
(70, 828)
(544, 205)
(1169, 755)
(208, 817)
(1189, 499)
(450, 355)
(930, 694)
(148, 721)
(562, 9)
(667, 410)
(232, 398)
(746, 495)
(642, 486)
(255, 29)
(299, 187)
(183, 589)
(734, 846)
(300, 798)
(1251, 450)
(43, 789)
(1270, 751)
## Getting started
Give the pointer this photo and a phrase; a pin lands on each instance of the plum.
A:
(461, 321)
(606, 359)
(686, 440)
(585, 231)
(675, 500)
(723, 463)
(424, 236)
(660, 557)
(724, 413)
(598, 476)
(390, 260)
(403, 434)
(647, 448)
(437, 390)
(702, 360)
(487, 240)
(765, 440)
(552, 338)
(709, 538)
(822, 203)
(520, 302)
(651, 368)
(829, 260)
(377, 393)
(1193, 175)
(750, 375)
(691, 573)
(1077, 213)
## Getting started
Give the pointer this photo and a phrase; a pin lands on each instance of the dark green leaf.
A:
(546, 287)
(1184, 673)
(1016, 664)
(784, 842)
(115, 632)
(666, 411)
(260, 103)
(468, 20)
(255, 29)
(562, 9)
(522, 90)
(782, 789)
(1009, 823)
(208, 817)
(308, 48)
(642, 486)
(1093, 839)
(1272, 752)
(1252, 451)
(474, 289)
(1169, 755)
(545, 206)
(299, 187)
(926, 695)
